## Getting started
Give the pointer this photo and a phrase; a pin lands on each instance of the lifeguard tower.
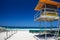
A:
(47, 11)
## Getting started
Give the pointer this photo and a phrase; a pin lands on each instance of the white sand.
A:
(21, 35)
(2, 35)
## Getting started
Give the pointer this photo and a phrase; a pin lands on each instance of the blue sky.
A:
(18, 13)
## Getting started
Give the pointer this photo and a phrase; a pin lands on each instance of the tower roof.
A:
(42, 2)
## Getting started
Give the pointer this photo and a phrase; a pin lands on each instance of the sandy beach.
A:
(2, 35)
(20, 35)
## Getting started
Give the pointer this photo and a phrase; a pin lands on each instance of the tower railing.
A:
(37, 15)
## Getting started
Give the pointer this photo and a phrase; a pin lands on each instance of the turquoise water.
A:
(18, 27)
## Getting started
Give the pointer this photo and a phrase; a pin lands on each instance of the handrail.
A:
(39, 12)
(35, 16)
(51, 9)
